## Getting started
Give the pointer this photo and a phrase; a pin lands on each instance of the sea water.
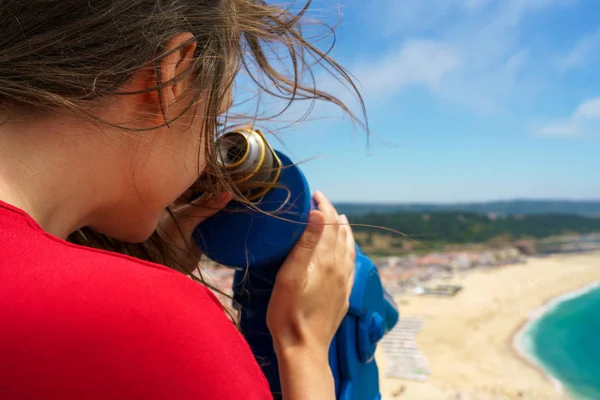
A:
(563, 339)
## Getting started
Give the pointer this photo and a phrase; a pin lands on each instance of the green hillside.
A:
(460, 227)
(586, 208)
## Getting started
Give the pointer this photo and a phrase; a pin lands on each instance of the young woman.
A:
(109, 115)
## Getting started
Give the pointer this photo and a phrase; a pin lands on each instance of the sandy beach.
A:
(468, 339)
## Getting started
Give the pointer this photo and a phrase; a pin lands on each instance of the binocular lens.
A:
(234, 148)
(250, 161)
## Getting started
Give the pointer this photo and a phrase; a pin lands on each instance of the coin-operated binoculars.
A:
(255, 239)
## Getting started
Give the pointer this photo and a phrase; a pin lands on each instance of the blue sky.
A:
(467, 100)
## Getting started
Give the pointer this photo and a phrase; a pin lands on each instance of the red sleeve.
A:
(119, 330)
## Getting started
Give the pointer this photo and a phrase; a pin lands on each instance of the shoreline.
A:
(473, 340)
(520, 353)
(520, 348)
(511, 343)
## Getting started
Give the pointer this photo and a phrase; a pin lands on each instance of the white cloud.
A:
(585, 117)
(416, 16)
(495, 71)
(422, 63)
(559, 129)
(466, 52)
(581, 53)
(417, 62)
(410, 16)
(589, 109)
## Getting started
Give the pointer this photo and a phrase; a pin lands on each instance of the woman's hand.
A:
(309, 301)
(178, 224)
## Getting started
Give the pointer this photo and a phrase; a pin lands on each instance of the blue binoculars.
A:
(255, 237)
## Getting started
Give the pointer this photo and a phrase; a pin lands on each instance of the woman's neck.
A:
(37, 173)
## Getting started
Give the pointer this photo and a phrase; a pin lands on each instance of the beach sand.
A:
(468, 339)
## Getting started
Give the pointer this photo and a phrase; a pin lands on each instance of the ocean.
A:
(563, 339)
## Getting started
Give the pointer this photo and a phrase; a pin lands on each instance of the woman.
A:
(110, 111)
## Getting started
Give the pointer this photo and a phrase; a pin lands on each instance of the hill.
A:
(457, 227)
(513, 207)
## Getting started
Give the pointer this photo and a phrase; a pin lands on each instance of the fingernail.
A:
(221, 197)
(344, 219)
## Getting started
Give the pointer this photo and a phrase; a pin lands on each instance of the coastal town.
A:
(402, 275)
(412, 273)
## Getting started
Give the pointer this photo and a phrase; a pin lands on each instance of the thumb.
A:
(304, 249)
(177, 225)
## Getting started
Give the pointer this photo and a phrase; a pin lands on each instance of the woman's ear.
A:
(157, 88)
(161, 85)
(173, 77)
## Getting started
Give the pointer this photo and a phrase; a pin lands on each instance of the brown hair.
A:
(59, 54)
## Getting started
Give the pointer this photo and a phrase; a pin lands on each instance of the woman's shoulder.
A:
(28, 249)
(82, 275)
(121, 327)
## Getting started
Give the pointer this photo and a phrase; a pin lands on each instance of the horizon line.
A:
(425, 202)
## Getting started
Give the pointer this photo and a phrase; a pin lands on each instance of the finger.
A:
(350, 241)
(213, 200)
(302, 253)
(185, 198)
(325, 206)
(350, 247)
(199, 210)
(342, 239)
(350, 284)
(331, 220)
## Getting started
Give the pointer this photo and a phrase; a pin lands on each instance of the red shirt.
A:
(77, 323)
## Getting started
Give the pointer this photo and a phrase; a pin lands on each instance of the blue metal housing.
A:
(256, 241)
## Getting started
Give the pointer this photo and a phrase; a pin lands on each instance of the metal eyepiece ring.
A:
(251, 162)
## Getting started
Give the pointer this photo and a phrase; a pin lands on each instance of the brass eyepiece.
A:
(249, 159)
